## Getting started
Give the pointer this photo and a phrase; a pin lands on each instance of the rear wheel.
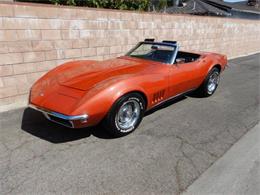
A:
(125, 115)
(209, 86)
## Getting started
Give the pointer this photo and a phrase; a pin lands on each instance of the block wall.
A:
(37, 38)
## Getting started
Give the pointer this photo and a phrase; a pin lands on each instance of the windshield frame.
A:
(174, 53)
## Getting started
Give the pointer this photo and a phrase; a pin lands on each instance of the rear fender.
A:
(217, 59)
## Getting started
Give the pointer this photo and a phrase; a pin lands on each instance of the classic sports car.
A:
(117, 92)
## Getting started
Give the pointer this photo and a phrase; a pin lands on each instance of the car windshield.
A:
(153, 51)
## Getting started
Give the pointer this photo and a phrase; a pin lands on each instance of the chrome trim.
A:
(46, 113)
(128, 115)
(175, 54)
(170, 98)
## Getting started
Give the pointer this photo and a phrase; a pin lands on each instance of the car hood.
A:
(84, 76)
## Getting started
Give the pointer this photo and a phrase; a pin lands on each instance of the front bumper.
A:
(76, 121)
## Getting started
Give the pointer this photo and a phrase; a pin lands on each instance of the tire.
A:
(125, 115)
(210, 84)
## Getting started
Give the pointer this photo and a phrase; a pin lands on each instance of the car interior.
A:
(162, 53)
(186, 57)
(166, 55)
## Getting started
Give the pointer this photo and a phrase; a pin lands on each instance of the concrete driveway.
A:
(172, 147)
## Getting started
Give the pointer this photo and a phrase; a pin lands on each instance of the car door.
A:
(184, 77)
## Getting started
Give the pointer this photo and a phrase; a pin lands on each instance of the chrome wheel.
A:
(128, 115)
(213, 82)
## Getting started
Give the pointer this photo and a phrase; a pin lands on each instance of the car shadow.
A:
(195, 95)
(34, 123)
(165, 104)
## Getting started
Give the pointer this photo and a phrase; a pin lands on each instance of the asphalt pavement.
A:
(236, 172)
(173, 146)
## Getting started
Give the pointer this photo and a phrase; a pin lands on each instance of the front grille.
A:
(60, 121)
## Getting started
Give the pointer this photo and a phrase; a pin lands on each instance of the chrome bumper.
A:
(61, 119)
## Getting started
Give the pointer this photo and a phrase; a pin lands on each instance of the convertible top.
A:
(164, 42)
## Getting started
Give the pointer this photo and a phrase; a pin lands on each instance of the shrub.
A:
(112, 4)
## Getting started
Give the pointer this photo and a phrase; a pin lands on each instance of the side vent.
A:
(158, 96)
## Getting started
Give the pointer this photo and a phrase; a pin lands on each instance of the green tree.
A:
(112, 4)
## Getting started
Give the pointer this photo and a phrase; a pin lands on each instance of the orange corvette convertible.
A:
(117, 92)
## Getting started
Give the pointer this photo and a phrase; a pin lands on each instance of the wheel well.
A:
(218, 67)
(142, 94)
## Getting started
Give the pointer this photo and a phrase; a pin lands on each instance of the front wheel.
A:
(210, 84)
(125, 115)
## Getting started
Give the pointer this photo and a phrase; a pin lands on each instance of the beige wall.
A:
(34, 39)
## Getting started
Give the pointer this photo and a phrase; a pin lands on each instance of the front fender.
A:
(100, 98)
